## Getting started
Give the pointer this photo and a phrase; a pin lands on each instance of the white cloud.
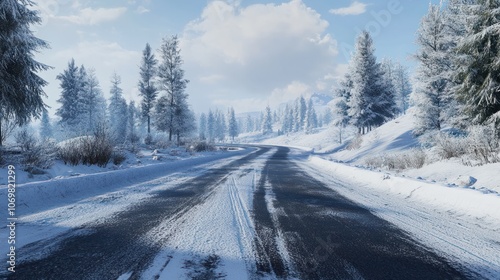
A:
(142, 10)
(356, 8)
(90, 16)
(233, 51)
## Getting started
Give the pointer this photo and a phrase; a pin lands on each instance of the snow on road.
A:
(462, 225)
(51, 208)
(217, 233)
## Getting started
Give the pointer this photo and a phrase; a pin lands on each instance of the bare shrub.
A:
(118, 156)
(482, 145)
(162, 144)
(201, 146)
(25, 139)
(35, 153)
(96, 149)
(70, 152)
(414, 158)
(449, 146)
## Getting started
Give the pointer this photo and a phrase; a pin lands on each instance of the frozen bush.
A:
(35, 154)
(482, 145)
(201, 147)
(118, 156)
(414, 158)
(26, 140)
(70, 151)
(449, 146)
(96, 149)
(41, 156)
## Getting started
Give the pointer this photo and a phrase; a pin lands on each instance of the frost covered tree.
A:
(117, 111)
(478, 73)
(311, 121)
(341, 104)
(301, 113)
(132, 116)
(171, 81)
(433, 98)
(147, 89)
(403, 87)
(211, 126)
(371, 103)
(249, 124)
(287, 120)
(327, 117)
(267, 122)
(72, 109)
(232, 124)
(21, 89)
(92, 100)
(220, 126)
(202, 127)
(45, 126)
(184, 122)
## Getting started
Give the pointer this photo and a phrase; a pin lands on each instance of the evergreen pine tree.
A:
(203, 126)
(371, 103)
(249, 124)
(403, 87)
(117, 111)
(94, 103)
(432, 97)
(72, 108)
(46, 126)
(146, 86)
(267, 122)
(211, 126)
(311, 120)
(232, 124)
(172, 83)
(341, 104)
(132, 113)
(21, 89)
(478, 74)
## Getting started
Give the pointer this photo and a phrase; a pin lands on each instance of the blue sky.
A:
(245, 53)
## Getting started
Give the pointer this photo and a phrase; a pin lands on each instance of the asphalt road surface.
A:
(312, 233)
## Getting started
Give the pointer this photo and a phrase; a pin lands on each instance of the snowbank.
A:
(463, 201)
(39, 196)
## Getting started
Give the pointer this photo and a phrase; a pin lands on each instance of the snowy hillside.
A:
(391, 138)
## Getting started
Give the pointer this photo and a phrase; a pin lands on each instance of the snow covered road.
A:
(264, 215)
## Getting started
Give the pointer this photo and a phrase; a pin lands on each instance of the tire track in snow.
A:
(245, 230)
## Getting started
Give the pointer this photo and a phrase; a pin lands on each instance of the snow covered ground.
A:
(215, 238)
(48, 208)
(392, 137)
(461, 222)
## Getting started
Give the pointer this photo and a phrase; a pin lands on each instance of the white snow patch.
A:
(220, 226)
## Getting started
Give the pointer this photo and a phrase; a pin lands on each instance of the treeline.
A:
(297, 116)
(163, 105)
